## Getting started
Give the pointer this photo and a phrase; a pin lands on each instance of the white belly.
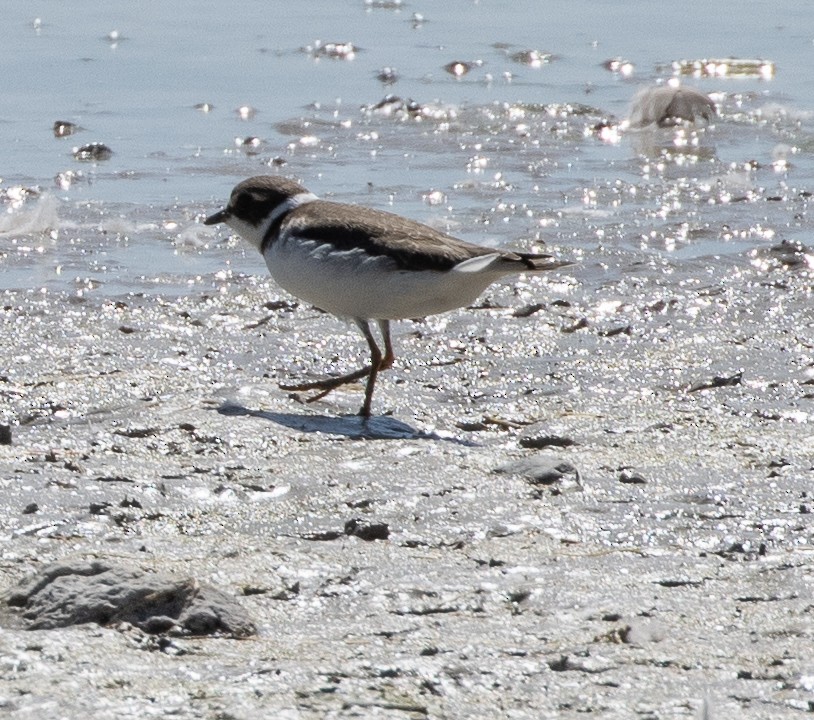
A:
(353, 284)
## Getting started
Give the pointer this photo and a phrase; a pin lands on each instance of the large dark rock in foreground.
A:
(70, 594)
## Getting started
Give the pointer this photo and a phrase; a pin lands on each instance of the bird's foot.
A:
(325, 385)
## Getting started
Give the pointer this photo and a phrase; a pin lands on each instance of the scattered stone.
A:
(613, 332)
(64, 180)
(458, 68)
(393, 105)
(130, 503)
(630, 477)
(539, 470)
(93, 152)
(682, 582)
(65, 594)
(619, 66)
(63, 128)
(5, 434)
(367, 531)
(580, 663)
(538, 436)
(528, 310)
(246, 112)
(250, 145)
(717, 381)
(580, 324)
(137, 432)
(387, 76)
(792, 254)
(490, 421)
(743, 550)
(532, 58)
(284, 591)
(31, 508)
(333, 50)
(113, 478)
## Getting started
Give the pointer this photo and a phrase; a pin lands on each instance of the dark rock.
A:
(630, 477)
(93, 152)
(717, 381)
(65, 594)
(137, 432)
(528, 310)
(31, 508)
(64, 128)
(580, 324)
(5, 434)
(130, 503)
(367, 531)
(537, 437)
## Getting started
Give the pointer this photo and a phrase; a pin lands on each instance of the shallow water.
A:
(670, 367)
(503, 155)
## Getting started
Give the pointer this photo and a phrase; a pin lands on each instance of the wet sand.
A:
(664, 571)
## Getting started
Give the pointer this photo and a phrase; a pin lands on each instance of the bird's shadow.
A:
(351, 426)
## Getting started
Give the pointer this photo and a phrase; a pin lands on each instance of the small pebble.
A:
(619, 66)
(333, 50)
(92, 152)
(532, 58)
(387, 76)
(249, 145)
(63, 128)
(64, 180)
(458, 68)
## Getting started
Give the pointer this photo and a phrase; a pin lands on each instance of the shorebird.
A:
(363, 264)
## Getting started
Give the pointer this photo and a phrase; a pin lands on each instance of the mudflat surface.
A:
(665, 570)
(589, 496)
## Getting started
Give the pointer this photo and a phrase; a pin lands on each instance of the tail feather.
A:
(541, 263)
(504, 263)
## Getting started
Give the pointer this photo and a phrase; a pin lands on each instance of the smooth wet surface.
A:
(592, 492)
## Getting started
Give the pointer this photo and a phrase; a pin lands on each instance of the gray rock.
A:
(665, 105)
(540, 470)
(66, 594)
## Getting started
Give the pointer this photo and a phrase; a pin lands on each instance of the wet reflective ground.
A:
(591, 492)
(491, 130)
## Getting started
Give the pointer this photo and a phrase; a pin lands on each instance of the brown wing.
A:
(410, 244)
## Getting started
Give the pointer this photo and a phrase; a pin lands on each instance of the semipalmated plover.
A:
(362, 263)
